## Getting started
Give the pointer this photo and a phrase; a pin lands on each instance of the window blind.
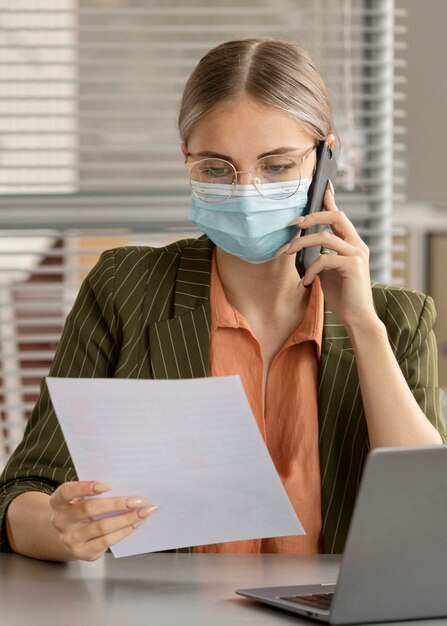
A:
(90, 155)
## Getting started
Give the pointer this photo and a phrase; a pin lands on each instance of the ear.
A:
(330, 140)
(184, 149)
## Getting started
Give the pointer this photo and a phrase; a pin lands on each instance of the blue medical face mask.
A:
(249, 225)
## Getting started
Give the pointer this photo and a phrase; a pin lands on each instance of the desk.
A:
(154, 589)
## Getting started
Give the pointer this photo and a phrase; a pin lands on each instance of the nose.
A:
(244, 177)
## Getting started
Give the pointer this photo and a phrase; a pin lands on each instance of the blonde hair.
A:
(273, 72)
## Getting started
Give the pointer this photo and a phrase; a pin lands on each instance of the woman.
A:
(330, 365)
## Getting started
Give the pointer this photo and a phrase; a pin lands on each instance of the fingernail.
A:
(101, 487)
(298, 221)
(294, 247)
(148, 510)
(283, 249)
(136, 503)
(308, 285)
(137, 524)
(331, 187)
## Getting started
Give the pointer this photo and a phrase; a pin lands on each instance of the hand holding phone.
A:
(325, 172)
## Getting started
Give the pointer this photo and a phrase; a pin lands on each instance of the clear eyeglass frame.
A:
(233, 176)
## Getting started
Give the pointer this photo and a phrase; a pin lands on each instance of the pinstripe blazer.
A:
(144, 313)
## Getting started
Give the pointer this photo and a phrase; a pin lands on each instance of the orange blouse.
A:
(288, 420)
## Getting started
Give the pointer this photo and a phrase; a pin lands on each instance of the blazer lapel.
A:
(180, 344)
(342, 433)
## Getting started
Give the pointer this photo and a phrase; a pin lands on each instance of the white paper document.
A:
(191, 446)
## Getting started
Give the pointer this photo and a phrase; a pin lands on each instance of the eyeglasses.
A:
(215, 180)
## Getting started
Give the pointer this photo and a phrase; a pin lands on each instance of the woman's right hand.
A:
(74, 516)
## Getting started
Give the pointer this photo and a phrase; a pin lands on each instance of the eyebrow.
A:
(217, 155)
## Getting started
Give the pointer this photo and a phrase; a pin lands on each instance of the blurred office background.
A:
(89, 155)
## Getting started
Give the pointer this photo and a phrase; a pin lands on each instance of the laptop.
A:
(394, 565)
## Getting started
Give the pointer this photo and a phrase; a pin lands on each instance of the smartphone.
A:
(326, 170)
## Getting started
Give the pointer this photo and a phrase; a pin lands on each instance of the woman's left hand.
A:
(344, 276)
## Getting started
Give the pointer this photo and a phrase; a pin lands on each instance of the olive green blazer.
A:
(144, 313)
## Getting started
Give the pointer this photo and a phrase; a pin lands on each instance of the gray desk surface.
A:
(154, 589)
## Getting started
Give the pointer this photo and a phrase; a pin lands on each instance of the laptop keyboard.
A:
(316, 601)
